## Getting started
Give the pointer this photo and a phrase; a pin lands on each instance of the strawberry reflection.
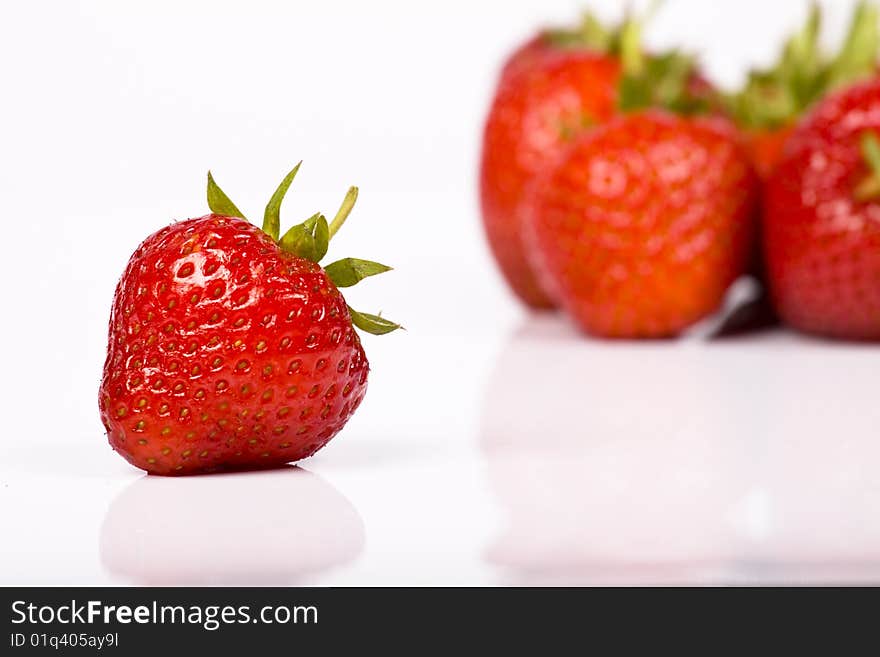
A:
(262, 528)
(823, 456)
(683, 462)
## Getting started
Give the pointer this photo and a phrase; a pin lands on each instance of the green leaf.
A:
(272, 215)
(372, 323)
(871, 151)
(299, 241)
(764, 102)
(344, 210)
(351, 271)
(622, 40)
(775, 97)
(662, 81)
(801, 51)
(631, 56)
(803, 69)
(322, 238)
(591, 35)
(218, 202)
(309, 239)
(858, 56)
(869, 188)
(632, 94)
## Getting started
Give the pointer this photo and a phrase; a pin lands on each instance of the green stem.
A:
(344, 210)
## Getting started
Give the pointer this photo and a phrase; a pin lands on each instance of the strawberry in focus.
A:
(230, 347)
(822, 219)
(644, 223)
(560, 84)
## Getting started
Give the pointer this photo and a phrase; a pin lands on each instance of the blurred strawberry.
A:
(558, 85)
(765, 146)
(530, 55)
(773, 99)
(644, 223)
(530, 122)
(822, 219)
(590, 35)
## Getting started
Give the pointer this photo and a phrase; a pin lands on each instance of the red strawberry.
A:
(644, 222)
(230, 348)
(822, 220)
(765, 147)
(589, 36)
(555, 87)
(529, 55)
(532, 118)
(773, 99)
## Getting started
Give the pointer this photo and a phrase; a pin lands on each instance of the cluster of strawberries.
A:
(622, 187)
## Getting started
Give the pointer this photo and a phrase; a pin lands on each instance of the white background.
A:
(493, 447)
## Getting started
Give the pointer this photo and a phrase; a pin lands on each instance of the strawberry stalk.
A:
(311, 240)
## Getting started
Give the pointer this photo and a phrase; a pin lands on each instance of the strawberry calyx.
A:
(592, 34)
(311, 240)
(350, 271)
(648, 80)
(868, 188)
(219, 203)
(773, 98)
(665, 80)
(272, 213)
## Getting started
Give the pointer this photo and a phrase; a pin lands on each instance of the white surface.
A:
(552, 460)
(491, 448)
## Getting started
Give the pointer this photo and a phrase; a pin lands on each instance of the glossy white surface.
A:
(556, 460)
(491, 448)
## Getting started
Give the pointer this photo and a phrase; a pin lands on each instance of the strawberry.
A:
(230, 347)
(558, 85)
(590, 36)
(531, 120)
(765, 147)
(529, 55)
(643, 223)
(773, 99)
(822, 220)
